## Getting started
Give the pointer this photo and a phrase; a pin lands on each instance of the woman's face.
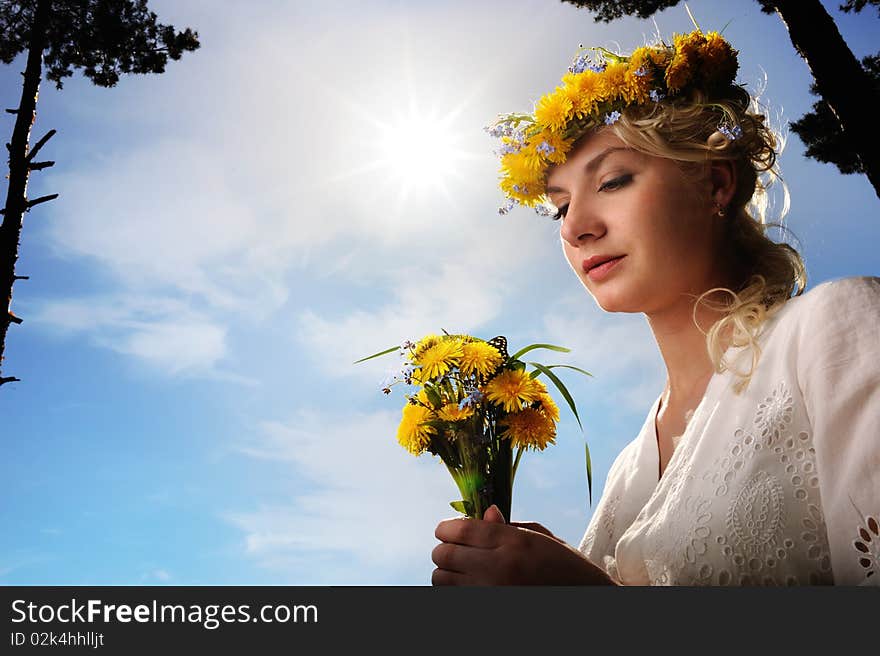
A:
(657, 225)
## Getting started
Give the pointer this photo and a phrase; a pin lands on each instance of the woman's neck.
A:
(683, 348)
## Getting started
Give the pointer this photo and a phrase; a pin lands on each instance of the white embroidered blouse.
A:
(779, 485)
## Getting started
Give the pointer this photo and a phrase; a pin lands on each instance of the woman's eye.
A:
(561, 212)
(616, 183)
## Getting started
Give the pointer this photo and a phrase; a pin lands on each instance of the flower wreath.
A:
(594, 91)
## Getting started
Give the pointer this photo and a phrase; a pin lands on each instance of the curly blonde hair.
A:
(767, 273)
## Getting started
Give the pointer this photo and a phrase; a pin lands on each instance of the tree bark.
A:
(16, 197)
(840, 78)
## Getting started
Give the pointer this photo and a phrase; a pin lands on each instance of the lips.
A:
(596, 260)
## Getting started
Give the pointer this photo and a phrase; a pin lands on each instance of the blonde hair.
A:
(766, 272)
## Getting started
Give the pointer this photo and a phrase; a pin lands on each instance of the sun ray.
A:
(401, 143)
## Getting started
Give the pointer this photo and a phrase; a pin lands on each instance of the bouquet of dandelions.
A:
(474, 406)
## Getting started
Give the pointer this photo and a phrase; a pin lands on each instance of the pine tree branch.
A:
(14, 319)
(9, 379)
(40, 144)
(41, 199)
(39, 166)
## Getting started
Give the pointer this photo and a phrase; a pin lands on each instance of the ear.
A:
(722, 176)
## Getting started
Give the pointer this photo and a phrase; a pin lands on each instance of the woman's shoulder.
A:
(833, 325)
(834, 303)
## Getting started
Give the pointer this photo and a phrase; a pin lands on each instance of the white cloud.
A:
(164, 334)
(237, 180)
(157, 574)
(23, 559)
(460, 285)
(370, 509)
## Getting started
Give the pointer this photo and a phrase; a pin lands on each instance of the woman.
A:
(759, 461)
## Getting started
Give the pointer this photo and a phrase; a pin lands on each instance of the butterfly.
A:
(500, 343)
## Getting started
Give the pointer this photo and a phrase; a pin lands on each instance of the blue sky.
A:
(230, 236)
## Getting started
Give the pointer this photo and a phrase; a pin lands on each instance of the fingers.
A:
(493, 515)
(470, 532)
(468, 564)
(448, 557)
(537, 528)
(446, 577)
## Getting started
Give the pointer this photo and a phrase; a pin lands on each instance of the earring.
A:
(719, 210)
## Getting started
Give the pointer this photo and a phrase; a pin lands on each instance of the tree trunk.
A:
(839, 76)
(16, 197)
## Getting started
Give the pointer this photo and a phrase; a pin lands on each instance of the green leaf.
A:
(535, 374)
(545, 369)
(532, 347)
(589, 471)
(464, 507)
(376, 355)
(562, 389)
(434, 397)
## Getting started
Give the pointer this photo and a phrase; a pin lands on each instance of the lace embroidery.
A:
(608, 518)
(867, 546)
(755, 518)
(815, 536)
(757, 535)
(690, 529)
(774, 414)
(605, 522)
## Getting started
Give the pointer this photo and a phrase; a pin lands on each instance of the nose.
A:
(580, 223)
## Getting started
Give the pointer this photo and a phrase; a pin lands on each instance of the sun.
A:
(403, 150)
(418, 151)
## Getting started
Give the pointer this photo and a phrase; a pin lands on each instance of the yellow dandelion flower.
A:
(678, 74)
(548, 406)
(584, 90)
(538, 386)
(531, 157)
(685, 64)
(413, 433)
(511, 389)
(528, 193)
(553, 146)
(451, 412)
(612, 80)
(640, 57)
(523, 175)
(718, 59)
(424, 344)
(637, 86)
(659, 56)
(438, 359)
(688, 44)
(554, 110)
(480, 358)
(524, 164)
(529, 429)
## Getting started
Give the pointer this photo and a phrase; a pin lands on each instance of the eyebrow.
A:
(593, 164)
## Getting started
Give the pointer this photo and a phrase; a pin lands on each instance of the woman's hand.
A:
(491, 552)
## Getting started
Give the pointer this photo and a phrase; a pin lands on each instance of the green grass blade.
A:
(376, 355)
(568, 366)
(561, 387)
(532, 347)
(589, 471)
